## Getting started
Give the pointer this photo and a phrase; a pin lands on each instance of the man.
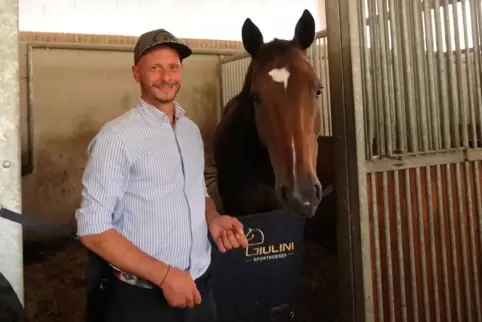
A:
(145, 206)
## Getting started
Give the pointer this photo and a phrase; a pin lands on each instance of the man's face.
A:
(159, 73)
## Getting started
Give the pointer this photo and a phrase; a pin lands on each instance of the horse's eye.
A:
(319, 91)
(256, 98)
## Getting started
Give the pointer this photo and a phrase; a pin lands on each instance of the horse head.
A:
(283, 90)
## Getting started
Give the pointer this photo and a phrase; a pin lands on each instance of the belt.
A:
(140, 282)
(132, 279)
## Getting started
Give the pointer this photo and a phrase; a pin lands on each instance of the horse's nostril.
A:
(318, 191)
(284, 193)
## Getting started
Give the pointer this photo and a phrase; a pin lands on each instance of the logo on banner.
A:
(258, 251)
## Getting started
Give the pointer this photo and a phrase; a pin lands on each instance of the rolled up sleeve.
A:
(103, 182)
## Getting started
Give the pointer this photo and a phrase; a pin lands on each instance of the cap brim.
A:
(183, 50)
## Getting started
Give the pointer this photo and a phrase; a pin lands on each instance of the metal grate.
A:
(421, 76)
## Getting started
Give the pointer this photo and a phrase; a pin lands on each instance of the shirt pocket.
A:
(158, 166)
(193, 157)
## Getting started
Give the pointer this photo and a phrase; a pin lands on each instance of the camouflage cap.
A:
(159, 37)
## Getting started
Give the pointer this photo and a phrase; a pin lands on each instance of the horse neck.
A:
(245, 134)
(244, 117)
(237, 136)
(249, 138)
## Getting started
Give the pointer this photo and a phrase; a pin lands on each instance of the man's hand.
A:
(179, 289)
(227, 232)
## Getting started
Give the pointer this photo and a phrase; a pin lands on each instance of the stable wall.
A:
(75, 91)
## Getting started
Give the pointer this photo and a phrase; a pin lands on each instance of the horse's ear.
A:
(305, 30)
(252, 37)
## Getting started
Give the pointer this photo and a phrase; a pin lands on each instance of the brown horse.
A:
(267, 144)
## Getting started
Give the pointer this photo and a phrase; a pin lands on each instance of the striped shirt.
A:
(145, 179)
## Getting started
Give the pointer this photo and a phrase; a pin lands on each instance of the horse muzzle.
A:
(302, 199)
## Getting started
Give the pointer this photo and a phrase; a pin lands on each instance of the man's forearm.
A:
(211, 211)
(118, 251)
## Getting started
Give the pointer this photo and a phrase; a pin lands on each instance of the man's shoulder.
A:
(121, 124)
(124, 121)
(115, 129)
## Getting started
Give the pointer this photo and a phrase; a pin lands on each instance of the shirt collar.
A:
(155, 114)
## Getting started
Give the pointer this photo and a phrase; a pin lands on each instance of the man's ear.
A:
(135, 74)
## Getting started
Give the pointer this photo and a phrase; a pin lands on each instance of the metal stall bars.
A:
(233, 70)
(408, 76)
(11, 255)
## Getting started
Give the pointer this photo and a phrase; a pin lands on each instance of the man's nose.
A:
(166, 76)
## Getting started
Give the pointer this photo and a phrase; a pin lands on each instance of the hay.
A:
(55, 283)
(320, 296)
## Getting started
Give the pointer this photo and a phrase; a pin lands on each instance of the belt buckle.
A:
(132, 279)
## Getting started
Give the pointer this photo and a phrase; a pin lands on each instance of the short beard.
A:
(147, 89)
